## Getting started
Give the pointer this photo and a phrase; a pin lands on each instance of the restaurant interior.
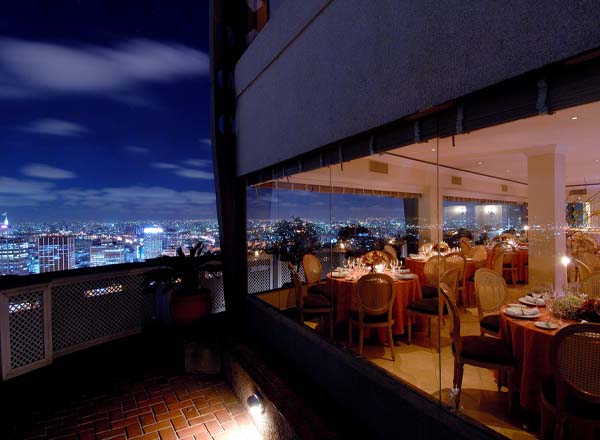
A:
(453, 264)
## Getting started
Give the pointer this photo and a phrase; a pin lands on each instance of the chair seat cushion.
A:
(317, 289)
(369, 319)
(491, 323)
(573, 404)
(429, 292)
(486, 349)
(428, 305)
(316, 302)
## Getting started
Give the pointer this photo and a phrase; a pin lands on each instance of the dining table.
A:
(530, 346)
(345, 294)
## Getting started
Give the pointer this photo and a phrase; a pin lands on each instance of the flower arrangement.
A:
(374, 258)
(567, 306)
(442, 246)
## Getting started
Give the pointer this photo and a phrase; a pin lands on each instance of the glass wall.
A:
(446, 222)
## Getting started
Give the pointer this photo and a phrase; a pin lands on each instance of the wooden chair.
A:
(498, 263)
(509, 263)
(459, 261)
(479, 255)
(391, 251)
(491, 293)
(312, 273)
(375, 300)
(432, 307)
(591, 260)
(465, 246)
(591, 285)
(314, 304)
(573, 394)
(479, 351)
(434, 267)
(583, 270)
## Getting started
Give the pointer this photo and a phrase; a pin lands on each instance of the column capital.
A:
(542, 150)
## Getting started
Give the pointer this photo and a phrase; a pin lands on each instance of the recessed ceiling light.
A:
(574, 118)
(433, 149)
(480, 163)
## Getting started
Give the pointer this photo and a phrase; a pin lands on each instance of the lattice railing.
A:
(44, 321)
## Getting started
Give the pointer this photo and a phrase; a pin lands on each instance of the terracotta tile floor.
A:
(130, 388)
(419, 364)
(164, 407)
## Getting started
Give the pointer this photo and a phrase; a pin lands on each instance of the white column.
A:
(547, 224)
(430, 211)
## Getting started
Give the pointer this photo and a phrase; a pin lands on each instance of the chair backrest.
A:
(591, 285)
(584, 270)
(391, 251)
(450, 280)
(479, 255)
(312, 268)
(498, 262)
(491, 291)
(590, 259)
(575, 356)
(465, 246)
(454, 318)
(376, 294)
(433, 269)
(456, 260)
(297, 286)
(589, 243)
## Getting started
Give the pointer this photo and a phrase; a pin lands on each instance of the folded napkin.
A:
(523, 311)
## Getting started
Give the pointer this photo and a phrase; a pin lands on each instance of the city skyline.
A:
(106, 111)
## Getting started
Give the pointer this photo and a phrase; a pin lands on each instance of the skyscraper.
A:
(14, 256)
(105, 254)
(153, 242)
(56, 252)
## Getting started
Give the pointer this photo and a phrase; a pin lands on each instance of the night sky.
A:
(105, 110)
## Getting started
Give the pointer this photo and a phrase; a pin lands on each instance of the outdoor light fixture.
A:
(255, 404)
(565, 261)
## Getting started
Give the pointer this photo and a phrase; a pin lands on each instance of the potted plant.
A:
(181, 277)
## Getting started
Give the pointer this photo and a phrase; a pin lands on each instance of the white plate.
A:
(517, 312)
(546, 325)
(531, 302)
(408, 276)
(339, 274)
(404, 271)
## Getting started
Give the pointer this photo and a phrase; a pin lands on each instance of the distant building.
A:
(56, 252)
(14, 256)
(153, 242)
(105, 254)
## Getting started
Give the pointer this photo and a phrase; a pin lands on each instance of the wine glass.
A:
(549, 297)
(394, 264)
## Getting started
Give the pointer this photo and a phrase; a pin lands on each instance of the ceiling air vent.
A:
(456, 180)
(378, 167)
(577, 192)
(504, 188)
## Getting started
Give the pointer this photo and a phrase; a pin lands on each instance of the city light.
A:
(153, 230)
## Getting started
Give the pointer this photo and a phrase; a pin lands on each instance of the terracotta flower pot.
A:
(185, 310)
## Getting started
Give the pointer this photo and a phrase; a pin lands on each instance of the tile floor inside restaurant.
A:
(418, 365)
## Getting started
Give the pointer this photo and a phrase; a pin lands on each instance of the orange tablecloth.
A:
(417, 267)
(531, 348)
(345, 297)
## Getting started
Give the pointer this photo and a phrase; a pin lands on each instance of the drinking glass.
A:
(549, 301)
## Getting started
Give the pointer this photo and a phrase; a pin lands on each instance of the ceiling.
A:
(501, 151)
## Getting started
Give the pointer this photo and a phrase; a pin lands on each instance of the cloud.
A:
(200, 163)
(164, 166)
(40, 68)
(135, 149)
(43, 171)
(56, 127)
(193, 174)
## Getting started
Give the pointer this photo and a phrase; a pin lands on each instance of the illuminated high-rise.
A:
(56, 252)
(14, 256)
(153, 242)
(105, 254)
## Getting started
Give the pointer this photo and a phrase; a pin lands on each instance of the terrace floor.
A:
(128, 389)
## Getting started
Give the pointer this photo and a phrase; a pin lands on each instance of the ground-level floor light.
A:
(255, 405)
